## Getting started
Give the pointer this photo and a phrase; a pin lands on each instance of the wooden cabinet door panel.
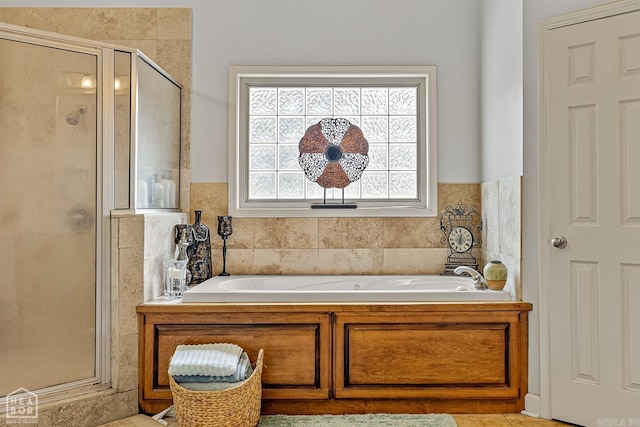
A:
(419, 354)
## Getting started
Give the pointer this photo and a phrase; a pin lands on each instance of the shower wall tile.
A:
(69, 21)
(13, 15)
(414, 261)
(185, 187)
(350, 261)
(127, 362)
(350, 233)
(174, 24)
(148, 47)
(131, 232)
(283, 233)
(130, 289)
(173, 55)
(120, 23)
(285, 261)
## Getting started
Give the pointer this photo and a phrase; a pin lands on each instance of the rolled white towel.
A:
(242, 372)
(220, 359)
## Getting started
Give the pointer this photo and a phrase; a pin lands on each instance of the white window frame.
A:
(241, 77)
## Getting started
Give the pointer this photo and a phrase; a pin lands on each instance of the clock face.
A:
(460, 239)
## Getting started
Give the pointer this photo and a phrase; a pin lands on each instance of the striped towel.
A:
(242, 372)
(220, 359)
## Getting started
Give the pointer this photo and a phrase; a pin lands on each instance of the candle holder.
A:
(224, 231)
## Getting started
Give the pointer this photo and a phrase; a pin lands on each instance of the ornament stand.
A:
(325, 205)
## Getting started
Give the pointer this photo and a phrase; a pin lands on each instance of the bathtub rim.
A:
(206, 295)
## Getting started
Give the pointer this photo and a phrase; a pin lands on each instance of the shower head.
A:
(73, 118)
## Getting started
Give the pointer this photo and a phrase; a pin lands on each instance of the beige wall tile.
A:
(148, 47)
(174, 56)
(185, 189)
(13, 15)
(127, 362)
(130, 288)
(285, 261)
(350, 233)
(414, 261)
(121, 23)
(239, 261)
(211, 199)
(70, 21)
(242, 237)
(131, 232)
(174, 24)
(283, 233)
(130, 261)
(412, 233)
(350, 261)
(450, 194)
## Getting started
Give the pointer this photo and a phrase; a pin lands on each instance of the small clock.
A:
(460, 239)
(461, 228)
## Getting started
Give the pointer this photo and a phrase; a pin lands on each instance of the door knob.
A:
(559, 242)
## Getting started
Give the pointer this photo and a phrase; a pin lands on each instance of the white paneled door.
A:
(593, 187)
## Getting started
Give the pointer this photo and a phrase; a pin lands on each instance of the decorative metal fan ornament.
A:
(333, 153)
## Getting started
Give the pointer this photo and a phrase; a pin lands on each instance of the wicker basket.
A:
(234, 407)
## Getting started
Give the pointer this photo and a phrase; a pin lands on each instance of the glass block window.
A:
(395, 109)
(279, 117)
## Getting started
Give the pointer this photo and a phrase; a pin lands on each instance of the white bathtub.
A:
(339, 289)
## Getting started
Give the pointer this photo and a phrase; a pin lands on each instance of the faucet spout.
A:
(477, 278)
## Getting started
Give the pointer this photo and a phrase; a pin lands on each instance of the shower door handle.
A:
(559, 242)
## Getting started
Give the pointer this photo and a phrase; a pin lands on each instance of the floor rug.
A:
(367, 420)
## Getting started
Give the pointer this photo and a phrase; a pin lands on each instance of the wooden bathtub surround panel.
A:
(425, 354)
(460, 356)
(297, 347)
(354, 358)
(296, 360)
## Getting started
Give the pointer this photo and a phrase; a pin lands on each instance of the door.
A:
(48, 193)
(593, 187)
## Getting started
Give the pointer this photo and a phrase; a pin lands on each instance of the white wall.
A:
(327, 32)
(338, 32)
(501, 88)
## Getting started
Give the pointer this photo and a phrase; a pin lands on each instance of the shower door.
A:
(48, 215)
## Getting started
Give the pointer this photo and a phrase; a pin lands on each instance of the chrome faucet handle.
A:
(478, 279)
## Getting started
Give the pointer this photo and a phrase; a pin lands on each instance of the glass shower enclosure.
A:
(87, 131)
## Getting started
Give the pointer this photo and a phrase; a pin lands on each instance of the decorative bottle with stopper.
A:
(176, 274)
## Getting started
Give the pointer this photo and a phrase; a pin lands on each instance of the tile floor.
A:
(484, 420)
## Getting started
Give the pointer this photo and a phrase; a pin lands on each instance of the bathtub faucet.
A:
(477, 278)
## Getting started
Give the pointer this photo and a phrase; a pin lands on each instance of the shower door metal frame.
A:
(104, 202)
